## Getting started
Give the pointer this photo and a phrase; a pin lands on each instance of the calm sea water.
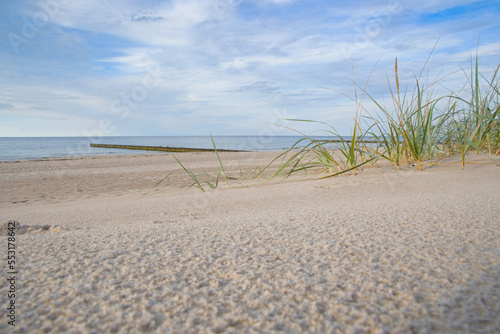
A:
(13, 149)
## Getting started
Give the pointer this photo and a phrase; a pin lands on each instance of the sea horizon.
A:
(32, 148)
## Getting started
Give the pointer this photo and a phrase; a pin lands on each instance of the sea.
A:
(29, 148)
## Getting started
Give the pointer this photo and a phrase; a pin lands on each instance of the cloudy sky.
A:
(227, 67)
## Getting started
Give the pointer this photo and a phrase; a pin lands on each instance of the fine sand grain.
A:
(384, 251)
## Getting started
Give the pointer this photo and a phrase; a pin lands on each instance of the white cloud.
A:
(135, 59)
(164, 24)
(483, 51)
(193, 98)
(218, 62)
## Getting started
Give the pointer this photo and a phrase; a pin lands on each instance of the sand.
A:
(384, 251)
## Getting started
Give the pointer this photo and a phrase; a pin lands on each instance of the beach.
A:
(101, 249)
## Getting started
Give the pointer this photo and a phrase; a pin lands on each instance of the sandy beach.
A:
(384, 251)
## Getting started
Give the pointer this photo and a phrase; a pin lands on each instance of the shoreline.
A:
(43, 147)
(132, 153)
(382, 251)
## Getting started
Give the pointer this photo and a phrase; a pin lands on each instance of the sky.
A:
(228, 67)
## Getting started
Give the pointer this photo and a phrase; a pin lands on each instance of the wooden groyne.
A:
(161, 148)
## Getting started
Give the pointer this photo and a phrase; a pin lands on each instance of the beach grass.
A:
(418, 128)
(204, 180)
(409, 132)
(211, 182)
(478, 128)
(414, 131)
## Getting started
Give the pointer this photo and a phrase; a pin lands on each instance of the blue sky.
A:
(227, 67)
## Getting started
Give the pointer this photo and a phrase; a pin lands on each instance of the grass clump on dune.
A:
(417, 129)
(477, 126)
(409, 133)
(413, 131)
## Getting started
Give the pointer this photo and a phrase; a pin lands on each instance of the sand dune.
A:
(384, 251)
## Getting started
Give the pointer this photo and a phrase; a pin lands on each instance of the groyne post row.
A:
(161, 148)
